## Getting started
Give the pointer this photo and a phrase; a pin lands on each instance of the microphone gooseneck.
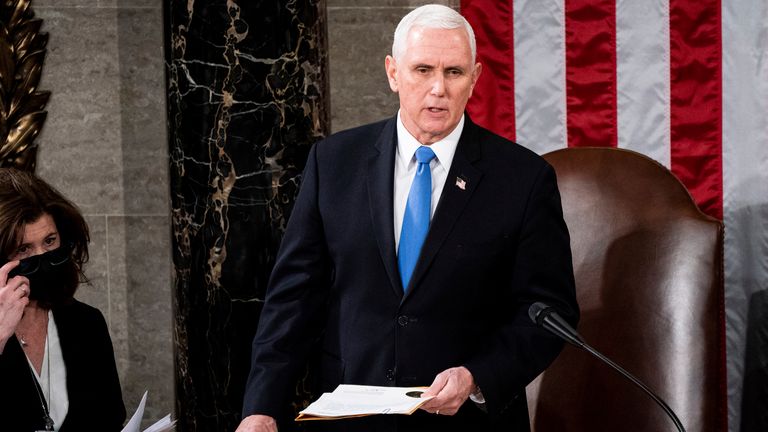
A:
(547, 317)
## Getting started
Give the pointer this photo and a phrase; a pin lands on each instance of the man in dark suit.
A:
(395, 288)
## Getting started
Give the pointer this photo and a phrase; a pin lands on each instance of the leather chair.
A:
(648, 267)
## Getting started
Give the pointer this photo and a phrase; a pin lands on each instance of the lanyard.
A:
(46, 415)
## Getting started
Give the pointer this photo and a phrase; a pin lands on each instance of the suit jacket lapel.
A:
(452, 200)
(381, 173)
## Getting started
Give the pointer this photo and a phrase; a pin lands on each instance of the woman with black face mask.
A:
(57, 365)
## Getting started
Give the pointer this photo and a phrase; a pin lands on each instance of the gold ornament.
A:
(22, 51)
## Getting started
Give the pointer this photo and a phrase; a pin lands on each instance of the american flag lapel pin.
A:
(461, 183)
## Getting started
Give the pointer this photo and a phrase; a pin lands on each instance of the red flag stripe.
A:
(590, 40)
(494, 31)
(696, 95)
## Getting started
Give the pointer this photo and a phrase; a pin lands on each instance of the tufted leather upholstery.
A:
(648, 268)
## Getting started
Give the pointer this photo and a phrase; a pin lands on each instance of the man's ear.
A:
(391, 67)
(475, 76)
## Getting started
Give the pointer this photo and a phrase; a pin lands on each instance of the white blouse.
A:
(53, 376)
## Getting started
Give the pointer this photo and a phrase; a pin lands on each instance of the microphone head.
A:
(535, 312)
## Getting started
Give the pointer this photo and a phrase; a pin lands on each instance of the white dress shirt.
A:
(405, 169)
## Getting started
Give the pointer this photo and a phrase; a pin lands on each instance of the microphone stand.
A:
(548, 318)
(639, 383)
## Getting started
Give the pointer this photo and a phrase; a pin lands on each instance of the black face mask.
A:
(46, 273)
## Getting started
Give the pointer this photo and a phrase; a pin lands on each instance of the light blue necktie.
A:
(416, 217)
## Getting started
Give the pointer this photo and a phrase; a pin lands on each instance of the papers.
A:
(357, 400)
(165, 424)
(135, 422)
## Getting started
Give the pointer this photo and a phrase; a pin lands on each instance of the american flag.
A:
(461, 183)
(684, 82)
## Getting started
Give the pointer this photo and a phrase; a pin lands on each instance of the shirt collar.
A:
(444, 149)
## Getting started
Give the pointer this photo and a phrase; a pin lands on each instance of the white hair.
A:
(431, 16)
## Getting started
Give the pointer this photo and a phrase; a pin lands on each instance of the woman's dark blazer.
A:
(95, 398)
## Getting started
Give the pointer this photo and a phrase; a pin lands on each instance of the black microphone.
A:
(547, 317)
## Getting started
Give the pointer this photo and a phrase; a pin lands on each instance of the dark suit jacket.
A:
(95, 399)
(494, 247)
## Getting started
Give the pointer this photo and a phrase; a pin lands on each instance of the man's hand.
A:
(257, 423)
(451, 389)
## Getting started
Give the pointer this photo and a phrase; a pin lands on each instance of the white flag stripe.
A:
(643, 89)
(745, 182)
(539, 34)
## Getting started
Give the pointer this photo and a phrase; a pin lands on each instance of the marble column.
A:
(247, 96)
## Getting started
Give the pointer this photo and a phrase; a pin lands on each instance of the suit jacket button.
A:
(390, 375)
(402, 320)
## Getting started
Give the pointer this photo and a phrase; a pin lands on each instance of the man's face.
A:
(434, 79)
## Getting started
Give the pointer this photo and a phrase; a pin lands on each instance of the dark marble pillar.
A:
(247, 96)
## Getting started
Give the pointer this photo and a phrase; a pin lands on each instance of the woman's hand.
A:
(14, 297)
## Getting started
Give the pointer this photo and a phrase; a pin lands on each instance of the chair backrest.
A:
(648, 267)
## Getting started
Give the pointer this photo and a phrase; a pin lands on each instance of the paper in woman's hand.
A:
(165, 424)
